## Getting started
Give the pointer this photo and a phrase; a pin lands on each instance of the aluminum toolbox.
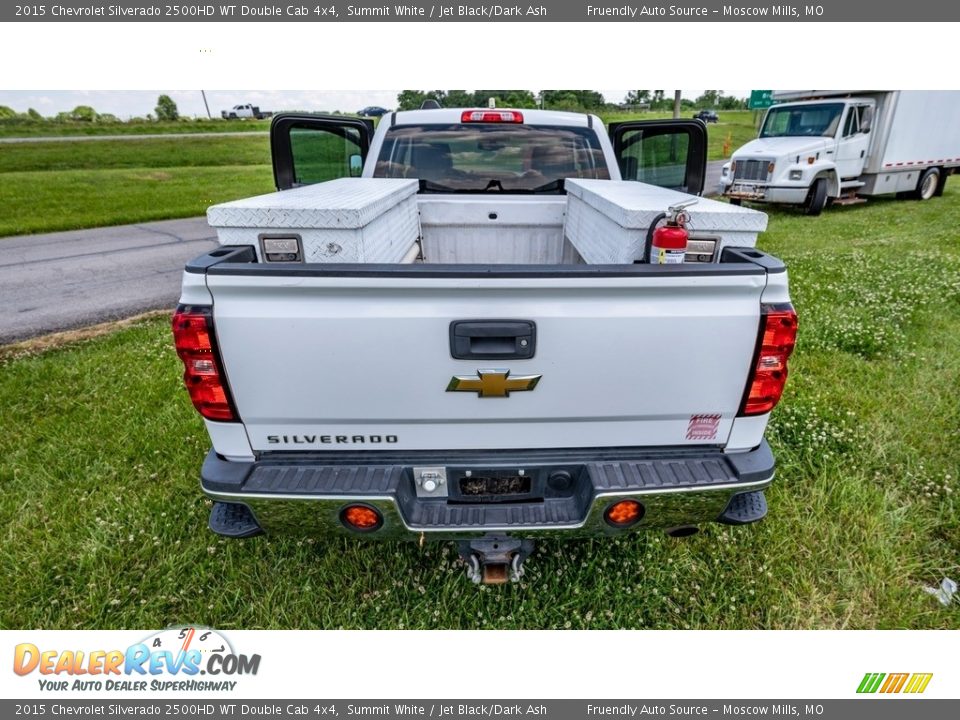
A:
(350, 220)
(607, 220)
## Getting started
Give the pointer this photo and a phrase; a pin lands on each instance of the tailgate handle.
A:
(493, 339)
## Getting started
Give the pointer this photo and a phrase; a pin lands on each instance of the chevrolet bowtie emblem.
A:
(492, 383)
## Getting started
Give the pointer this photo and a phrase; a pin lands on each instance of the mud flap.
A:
(745, 508)
(233, 520)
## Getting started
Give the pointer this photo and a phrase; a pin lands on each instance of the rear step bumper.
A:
(569, 493)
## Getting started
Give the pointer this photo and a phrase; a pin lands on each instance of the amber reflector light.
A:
(361, 517)
(624, 513)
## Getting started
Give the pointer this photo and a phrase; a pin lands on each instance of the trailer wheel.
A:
(927, 187)
(817, 199)
(736, 201)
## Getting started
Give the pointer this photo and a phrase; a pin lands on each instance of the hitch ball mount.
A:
(495, 559)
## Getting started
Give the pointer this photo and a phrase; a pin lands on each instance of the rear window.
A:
(490, 157)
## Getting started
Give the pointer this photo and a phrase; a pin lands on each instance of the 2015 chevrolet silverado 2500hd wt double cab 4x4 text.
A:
(469, 340)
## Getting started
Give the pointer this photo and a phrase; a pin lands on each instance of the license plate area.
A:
(746, 190)
(494, 486)
(490, 485)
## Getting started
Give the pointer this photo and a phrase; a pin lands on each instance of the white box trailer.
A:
(821, 145)
(914, 130)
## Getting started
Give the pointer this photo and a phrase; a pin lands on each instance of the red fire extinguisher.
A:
(668, 243)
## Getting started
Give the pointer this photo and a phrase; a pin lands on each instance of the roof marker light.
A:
(491, 116)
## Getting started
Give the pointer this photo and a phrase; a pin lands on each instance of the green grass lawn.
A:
(19, 128)
(50, 186)
(103, 524)
(139, 153)
(53, 186)
(73, 199)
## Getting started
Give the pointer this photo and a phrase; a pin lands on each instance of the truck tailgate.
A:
(359, 357)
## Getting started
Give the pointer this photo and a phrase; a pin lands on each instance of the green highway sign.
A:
(760, 99)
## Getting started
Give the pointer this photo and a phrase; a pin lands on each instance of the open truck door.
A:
(310, 148)
(667, 153)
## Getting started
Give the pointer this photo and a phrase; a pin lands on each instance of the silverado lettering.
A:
(330, 439)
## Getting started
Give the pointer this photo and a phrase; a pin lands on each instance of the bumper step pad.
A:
(676, 486)
(233, 520)
(745, 508)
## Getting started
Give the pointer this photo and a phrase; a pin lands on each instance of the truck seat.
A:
(553, 161)
(432, 161)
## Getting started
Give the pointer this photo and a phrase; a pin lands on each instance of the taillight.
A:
(491, 116)
(778, 334)
(194, 339)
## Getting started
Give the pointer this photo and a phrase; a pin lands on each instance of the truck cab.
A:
(806, 154)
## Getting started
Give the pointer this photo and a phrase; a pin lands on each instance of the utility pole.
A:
(676, 104)
(209, 116)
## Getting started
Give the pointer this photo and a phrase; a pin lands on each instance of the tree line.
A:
(165, 111)
(573, 100)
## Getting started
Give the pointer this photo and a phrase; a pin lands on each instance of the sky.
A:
(130, 103)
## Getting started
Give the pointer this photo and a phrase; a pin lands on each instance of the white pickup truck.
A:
(489, 384)
(240, 112)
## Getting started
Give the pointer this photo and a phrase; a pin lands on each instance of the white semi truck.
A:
(821, 146)
(470, 342)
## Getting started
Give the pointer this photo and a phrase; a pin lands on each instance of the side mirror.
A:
(356, 166)
(866, 120)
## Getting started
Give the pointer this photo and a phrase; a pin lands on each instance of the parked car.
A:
(474, 342)
(708, 116)
(373, 111)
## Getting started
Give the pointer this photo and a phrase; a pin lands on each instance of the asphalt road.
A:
(66, 280)
(711, 185)
(61, 281)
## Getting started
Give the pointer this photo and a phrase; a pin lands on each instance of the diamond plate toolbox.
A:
(349, 220)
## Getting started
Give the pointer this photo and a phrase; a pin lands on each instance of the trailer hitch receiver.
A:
(495, 559)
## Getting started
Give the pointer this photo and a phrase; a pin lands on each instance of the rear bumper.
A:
(759, 192)
(305, 494)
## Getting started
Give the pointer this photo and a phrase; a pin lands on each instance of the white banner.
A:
(456, 664)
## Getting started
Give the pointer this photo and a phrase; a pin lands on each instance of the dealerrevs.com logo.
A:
(172, 659)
